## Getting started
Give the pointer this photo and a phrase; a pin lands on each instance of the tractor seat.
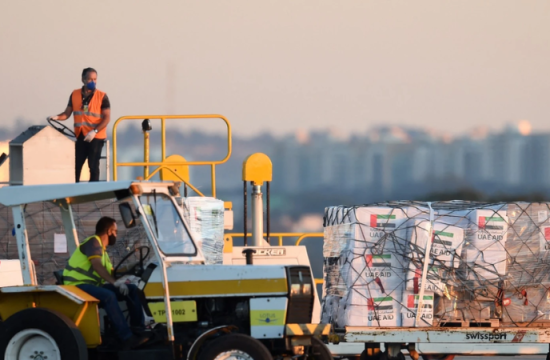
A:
(58, 277)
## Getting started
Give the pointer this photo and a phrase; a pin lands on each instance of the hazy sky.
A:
(284, 65)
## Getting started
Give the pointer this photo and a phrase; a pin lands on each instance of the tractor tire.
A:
(318, 350)
(42, 332)
(233, 346)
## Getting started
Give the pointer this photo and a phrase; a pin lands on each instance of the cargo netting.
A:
(43, 220)
(488, 264)
(204, 216)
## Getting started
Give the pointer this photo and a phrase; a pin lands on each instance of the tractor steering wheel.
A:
(136, 268)
(62, 128)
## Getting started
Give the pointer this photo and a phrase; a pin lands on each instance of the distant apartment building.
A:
(390, 160)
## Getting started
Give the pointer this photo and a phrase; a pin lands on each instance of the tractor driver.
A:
(90, 269)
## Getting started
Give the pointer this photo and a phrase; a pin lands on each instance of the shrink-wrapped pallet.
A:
(204, 217)
(364, 264)
(494, 268)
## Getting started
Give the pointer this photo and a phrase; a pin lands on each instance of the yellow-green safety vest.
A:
(79, 270)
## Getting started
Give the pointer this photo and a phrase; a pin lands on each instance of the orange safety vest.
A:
(86, 120)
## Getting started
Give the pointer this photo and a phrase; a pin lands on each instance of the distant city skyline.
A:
(387, 163)
(523, 126)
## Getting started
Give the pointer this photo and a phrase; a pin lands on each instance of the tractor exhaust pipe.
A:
(248, 253)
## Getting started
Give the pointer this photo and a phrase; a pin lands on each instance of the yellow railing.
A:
(228, 240)
(167, 165)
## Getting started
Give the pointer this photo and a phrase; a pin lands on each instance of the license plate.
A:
(182, 311)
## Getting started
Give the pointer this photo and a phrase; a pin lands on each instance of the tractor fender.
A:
(194, 350)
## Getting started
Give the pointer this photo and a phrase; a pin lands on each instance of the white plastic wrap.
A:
(487, 263)
(204, 216)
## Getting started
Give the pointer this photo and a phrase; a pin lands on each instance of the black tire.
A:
(235, 342)
(438, 357)
(63, 330)
(318, 350)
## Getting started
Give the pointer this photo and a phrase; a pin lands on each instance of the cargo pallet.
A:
(434, 342)
(453, 336)
(447, 322)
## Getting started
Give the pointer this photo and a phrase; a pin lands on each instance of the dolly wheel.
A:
(235, 347)
(318, 350)
(438, 357)
(41, 334)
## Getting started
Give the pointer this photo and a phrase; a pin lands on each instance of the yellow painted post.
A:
(115, 167)
(163, 137)
(145, 154)
(213, 181)
(257, 168)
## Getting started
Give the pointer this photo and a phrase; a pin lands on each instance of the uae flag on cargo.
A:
(491, 223)
(433, 273)
(383, 260)
(382, 221)
(440, 236)
(381, 303)
(412, 300)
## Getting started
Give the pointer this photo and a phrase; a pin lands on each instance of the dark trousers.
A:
(108, 297)
(91, 151)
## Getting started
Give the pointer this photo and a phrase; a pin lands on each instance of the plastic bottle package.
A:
(204, 217)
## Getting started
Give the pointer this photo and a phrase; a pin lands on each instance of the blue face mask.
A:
(90, 85)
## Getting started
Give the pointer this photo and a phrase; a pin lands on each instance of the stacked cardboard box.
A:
(364, 265)
(486, 262)
(410, 309)
(366, 307)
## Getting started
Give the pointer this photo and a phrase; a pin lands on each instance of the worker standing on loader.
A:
(92, 112)
(90, 267)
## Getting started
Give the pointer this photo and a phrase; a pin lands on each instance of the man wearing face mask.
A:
(90, 269)
(92, 112)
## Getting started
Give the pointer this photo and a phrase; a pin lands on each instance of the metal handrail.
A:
(162, 164)
(280, 236)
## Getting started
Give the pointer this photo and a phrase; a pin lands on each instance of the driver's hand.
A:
(122, 288)
(54, 117)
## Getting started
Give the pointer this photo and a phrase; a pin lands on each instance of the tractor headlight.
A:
(300, 282)
(300, 289)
